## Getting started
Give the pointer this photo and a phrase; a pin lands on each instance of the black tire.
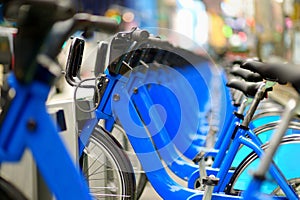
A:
(9, 192)
(242, 168)
(116, 180)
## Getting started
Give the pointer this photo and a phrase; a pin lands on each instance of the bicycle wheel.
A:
(107, 168)
(9, 192)
(289, 148)
(140, 176)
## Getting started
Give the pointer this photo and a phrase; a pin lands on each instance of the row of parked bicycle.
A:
(173, 107)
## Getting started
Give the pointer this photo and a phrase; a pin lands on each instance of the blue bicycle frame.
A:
(28, 125)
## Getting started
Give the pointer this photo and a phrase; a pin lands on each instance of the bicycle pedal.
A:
(198, 157)
(210, 180)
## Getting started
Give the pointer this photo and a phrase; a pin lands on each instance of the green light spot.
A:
(117, 18)
(227, 31)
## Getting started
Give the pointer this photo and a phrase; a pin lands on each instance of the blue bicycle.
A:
(147, 132)
(25, 122)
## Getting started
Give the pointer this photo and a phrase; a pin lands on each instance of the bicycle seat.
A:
(60, 10)
(246, 74)
(281, 73)
(248, 88)
(43, 34)
(267, 71)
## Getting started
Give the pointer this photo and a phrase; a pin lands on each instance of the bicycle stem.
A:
(253, 107)
(242, 108)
